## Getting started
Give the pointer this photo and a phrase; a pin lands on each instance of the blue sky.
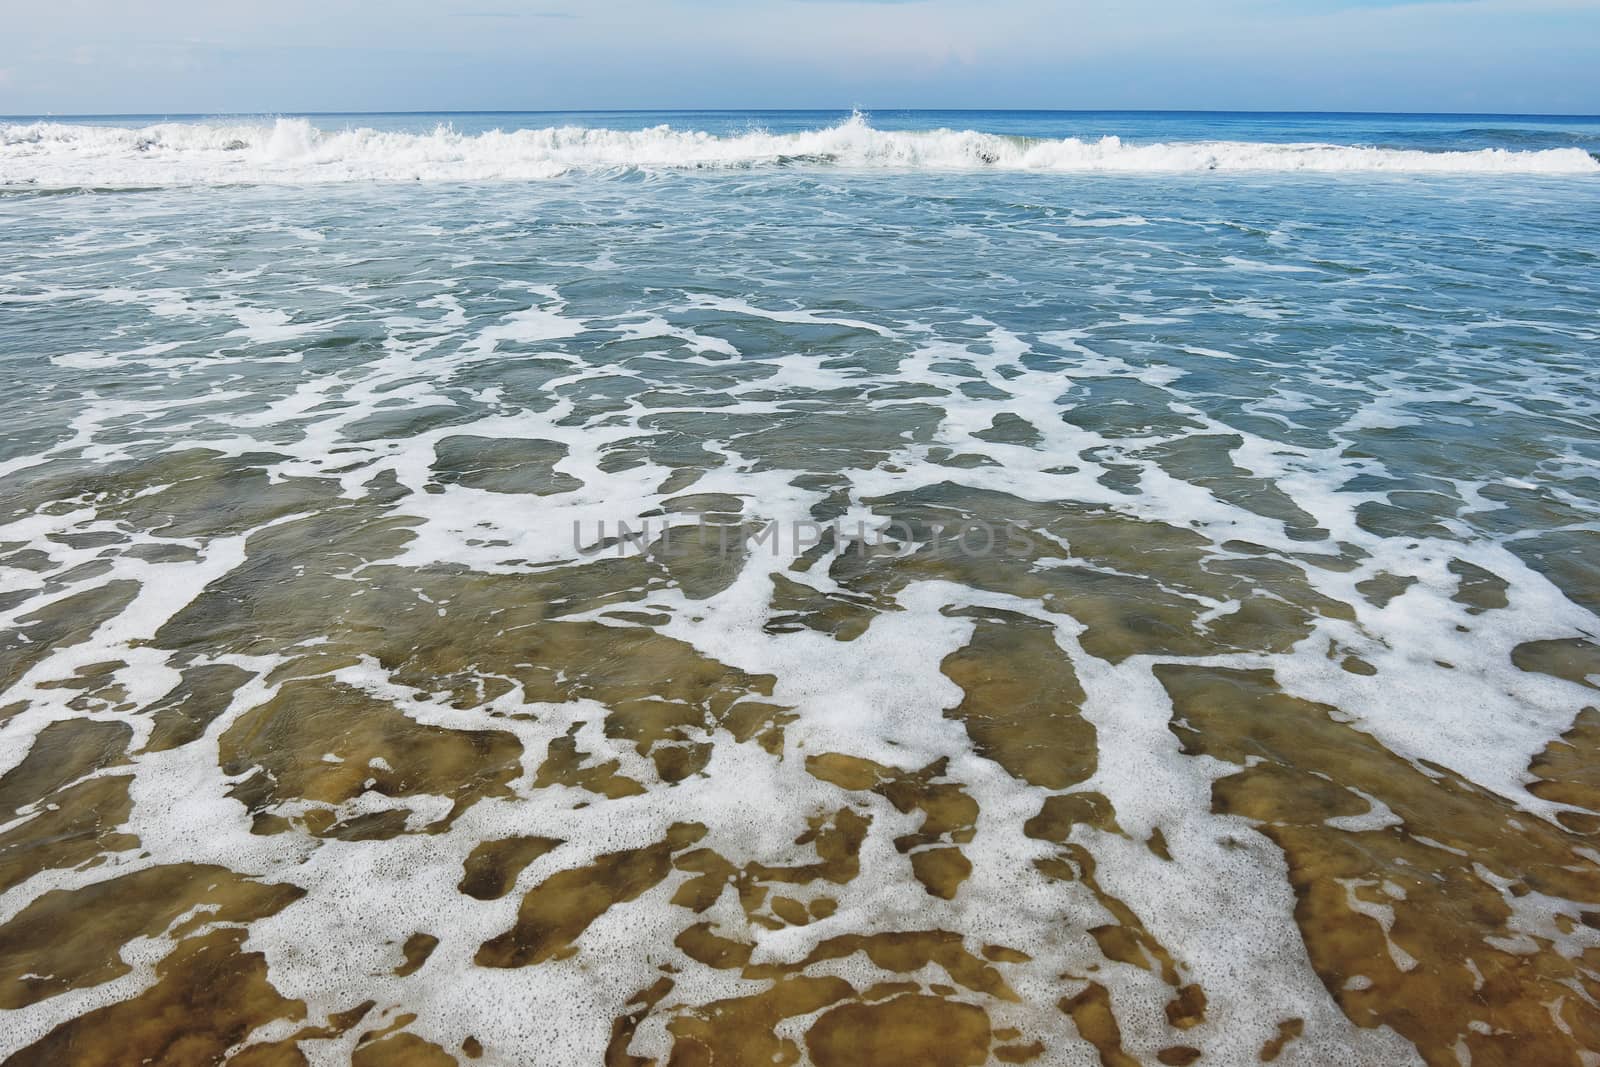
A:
(98, 56)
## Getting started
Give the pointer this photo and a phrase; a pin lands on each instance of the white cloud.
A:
(76, 55)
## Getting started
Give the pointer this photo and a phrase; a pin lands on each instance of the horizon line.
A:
(262, 113)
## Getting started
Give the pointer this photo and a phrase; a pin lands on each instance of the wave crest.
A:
(294, 151)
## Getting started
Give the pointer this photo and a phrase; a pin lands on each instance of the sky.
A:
(285, 56)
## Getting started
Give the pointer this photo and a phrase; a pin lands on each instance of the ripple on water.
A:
(334, 725)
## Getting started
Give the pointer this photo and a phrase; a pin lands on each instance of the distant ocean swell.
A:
(294, 151)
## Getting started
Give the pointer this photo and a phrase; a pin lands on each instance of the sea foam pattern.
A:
(294, 151)
(333, 728)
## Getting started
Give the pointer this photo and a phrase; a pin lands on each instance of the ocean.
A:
(774, 587)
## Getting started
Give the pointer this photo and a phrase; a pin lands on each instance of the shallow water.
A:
(1105, 619)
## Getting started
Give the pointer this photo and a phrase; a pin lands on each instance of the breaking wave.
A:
(294, 151)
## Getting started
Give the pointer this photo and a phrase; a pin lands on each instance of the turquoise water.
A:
(318, 431)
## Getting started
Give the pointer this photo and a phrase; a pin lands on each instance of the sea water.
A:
(800, 587)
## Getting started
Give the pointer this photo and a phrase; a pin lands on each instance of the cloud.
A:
(514, 15)
(1432, 55)
(1389, 3)
(1380, 5)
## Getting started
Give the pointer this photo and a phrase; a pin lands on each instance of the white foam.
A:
(294, 151)
(1222, 905)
